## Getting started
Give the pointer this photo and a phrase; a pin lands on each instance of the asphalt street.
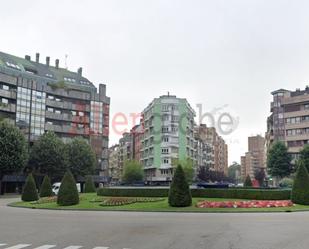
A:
(44, 229)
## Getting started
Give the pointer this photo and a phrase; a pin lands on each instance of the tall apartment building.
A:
(113, 164)
(215, 149)
(137, 133)
(255, 158)
(38, 97)
(125, 151)
(168, 124)
(289, 119)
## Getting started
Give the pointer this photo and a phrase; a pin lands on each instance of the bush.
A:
(229, 193)
(46, 188)
(68, 193)
(286, 183)
(300, 190)
(30, 192)
(89, 185)
(179, 194)
(248, 182)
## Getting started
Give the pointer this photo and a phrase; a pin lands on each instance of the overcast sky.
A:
(221, 54)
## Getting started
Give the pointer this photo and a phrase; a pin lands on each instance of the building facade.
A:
(255, 158)
(113, 164)
(289, 120)
(38, 97)
(168, 124)
(212, 150)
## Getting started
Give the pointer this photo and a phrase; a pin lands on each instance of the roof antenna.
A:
(168, 93)
(65, 61)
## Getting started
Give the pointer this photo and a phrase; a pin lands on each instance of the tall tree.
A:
(232, 171)
(48, 155)
(304, 156)
(133, 172)
(13, 150)
(248, 182)
(179, 194)
(187, 165)
(279, 161)
(81, 159)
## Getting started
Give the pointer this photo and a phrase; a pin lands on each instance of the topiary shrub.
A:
(30, 192)
(300, 190)
(46, 188)
(248, 182)
(179, 194)
(68, 193)
(89, 185)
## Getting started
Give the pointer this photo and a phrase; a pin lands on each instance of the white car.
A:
(56, 187)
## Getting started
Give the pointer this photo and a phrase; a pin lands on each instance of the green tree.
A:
(13, 150)
(234, 171)
(68, 193)
(133, 172)
(300, 190)
(89, 185)
(179, 193)
(81, 158)
(279, 161)
(248, 182)
(46, 187)
(48, 155)
(187, 165)
(30, 192)
(304, 156)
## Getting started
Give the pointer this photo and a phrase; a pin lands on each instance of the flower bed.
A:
(244, 204)
(119, 201)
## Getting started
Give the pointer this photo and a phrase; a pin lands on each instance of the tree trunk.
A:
(1, 184)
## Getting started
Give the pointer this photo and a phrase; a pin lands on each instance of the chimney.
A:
(47, 61)
(57, 63)
(37, 57)
(80, 71)
(27, 57)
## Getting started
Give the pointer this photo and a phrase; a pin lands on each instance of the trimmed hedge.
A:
(236, 193)
(46, 188)
(179, 193)
(68, 193)
(30, 192)
(300, 190)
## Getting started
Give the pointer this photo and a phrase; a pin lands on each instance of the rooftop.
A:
(43, 70)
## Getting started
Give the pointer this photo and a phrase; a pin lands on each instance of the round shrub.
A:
(46, 188)
(89, 185)
(179, 193)
(68, 193)
(300, 190)
(30, 192)
(248, 182)
(286, 182)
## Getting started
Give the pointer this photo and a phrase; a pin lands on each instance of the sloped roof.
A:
(42, 70)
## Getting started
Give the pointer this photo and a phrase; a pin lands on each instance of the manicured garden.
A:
(91, 201)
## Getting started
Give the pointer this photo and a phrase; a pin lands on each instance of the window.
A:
(306, 106)
(165, 161)
(164, 150)
(4, 101)
(49, 109)
(164, 129)
(73, 113)
(49, 75)
(165, 139)
(81, 114)
(5, 87)
(50, 97)
(58, 111)
(58, 100)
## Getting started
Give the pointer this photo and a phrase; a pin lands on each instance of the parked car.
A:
(56, 187)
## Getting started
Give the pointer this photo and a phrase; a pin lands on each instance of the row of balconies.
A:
(68, 105)
(67, 129)
(8, 107)
(67, 117)
(9, 94)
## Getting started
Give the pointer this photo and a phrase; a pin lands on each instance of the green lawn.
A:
(160, 206)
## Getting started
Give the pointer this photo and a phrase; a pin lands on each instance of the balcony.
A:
(10, 94)
(67, 105)
(66, 129)
(67, 117)
(8, 107)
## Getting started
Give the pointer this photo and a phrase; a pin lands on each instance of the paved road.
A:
(29, 228)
